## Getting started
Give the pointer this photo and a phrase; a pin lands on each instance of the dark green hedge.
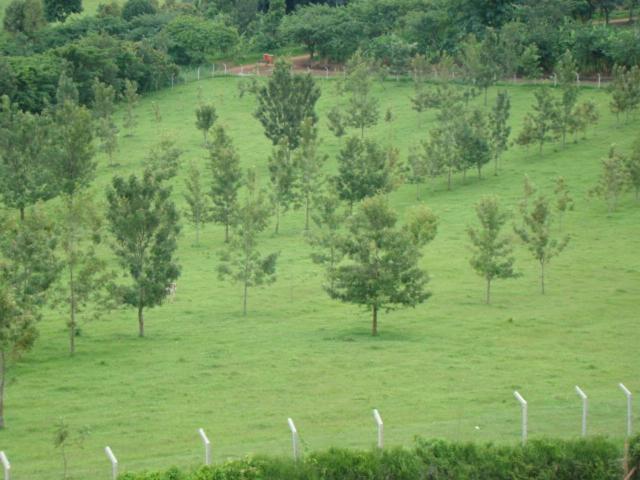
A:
(592, 459)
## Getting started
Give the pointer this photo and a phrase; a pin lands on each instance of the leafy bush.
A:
(593, 459)
(135, 8)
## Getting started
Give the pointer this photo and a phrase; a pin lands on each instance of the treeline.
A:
(531, 35)
(592, 459)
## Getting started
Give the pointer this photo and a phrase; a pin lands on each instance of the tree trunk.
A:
(226, 232)
(486, 92)
(21, 214)
(3, 369)
(374, 323)
(277, 218)
(362, 131)
(449, 179)
(418, 190)
(72, 308)
(542, 277)
(306, 214)
(488, 297)
(140, 318)
(244, 298)
(480, 172)
(495, 160)
(197, 233)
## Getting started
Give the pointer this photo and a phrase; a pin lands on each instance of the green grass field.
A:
(441, 369)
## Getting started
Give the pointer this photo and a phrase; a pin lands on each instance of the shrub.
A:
(135, 8)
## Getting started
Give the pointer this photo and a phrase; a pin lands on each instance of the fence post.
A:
(577, 79)
(585, 407)
(172, 78)
(599, 80)
(225, 68)
(523, 405)
(213, 69)
(326, 72)
(294, 439)
(198, 73)
(378, 419)
(5, 465)
(629, 408)
(114, 462)
(207, 446)
(555, 80)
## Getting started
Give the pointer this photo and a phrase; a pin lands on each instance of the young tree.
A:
(242, 262)
(363, 171)
(108, 134)
(625, 90)
(205, 118)
(613, 180)
(380, 265)
(25, 151)
(164, 158)
(85, 279)
(328, 221)
(472, 141)
(284, 180)
(65, 438)
(492, 253)
(499, 130)
(564, 201)
(308, 163)
(336, 122)
(67, 90)
(131, 98)
(362, 109)
(441, 152)
(480, 60)
(198, 211)
(538, 125)
(418, 168)
(104, 97)
(285, 102)
(59, 10)
(224, 165)
(536, 232)
(566, 73)
(144, 223)
(28, 267)
(585, 115)
(633, 167)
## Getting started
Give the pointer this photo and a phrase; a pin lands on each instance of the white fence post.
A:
(294, 439)
(225, 68)
(378, 419)
(629, 408)
(523, 405)
(5, 465)
(198, 73)
(213, 69)
(577, 79)
(585, 408)
(114, 462)
(207, 446)
(599, 80)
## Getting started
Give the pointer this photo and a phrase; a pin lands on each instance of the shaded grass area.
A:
(445, 369)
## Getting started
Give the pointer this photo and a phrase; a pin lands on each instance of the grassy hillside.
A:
(446, 368)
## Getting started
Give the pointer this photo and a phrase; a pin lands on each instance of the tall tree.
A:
(28, 267)
(564, 201)
(325, 237)
(538, 126)
(308, 162)
(59, 10)
(362, 108)
(613, 180)
(284, 103)
(380, 265)
(67, 90)
(25, 151)
(205, 118)
(85, 279)
(284, 180)
(481, 60)
(144, 223)
(362, 171)
(242, 262)
(499, 128)
(537, 234)
(104, 97)
(198, 212)
(131, 97)
(224, 165)
(492, 252)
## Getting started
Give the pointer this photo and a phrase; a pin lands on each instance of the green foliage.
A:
(59, 10)
(64, 438)
(205, 118)
(324, 238)
(538, 125)
(393, 52)
(135, 8)
(198, 207)
(363, 171)
(25, 153)
(28, 267)
(536, 230)
(224, 165)
(131, 98)
(164, 158)
(362, 109)
(283, 176)
(144, 223)
(24, 16)
(308, 162)
(379, 268)
(625, 90)
(499, 129)
(285, 102)
(492, 253)
(193, 40)
(633, 167)
(36, 79)
(480, 60)
(242, 262)
(614, 178)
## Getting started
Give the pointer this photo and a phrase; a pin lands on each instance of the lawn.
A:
(445, 369)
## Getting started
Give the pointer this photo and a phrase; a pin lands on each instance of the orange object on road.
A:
(266, 58)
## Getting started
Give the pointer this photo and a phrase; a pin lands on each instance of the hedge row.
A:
(592, 459)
